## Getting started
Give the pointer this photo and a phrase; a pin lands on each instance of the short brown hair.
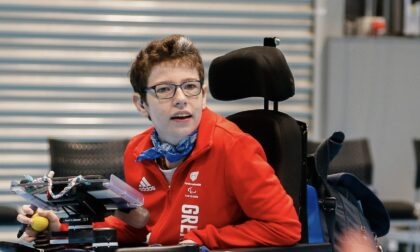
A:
(171, 48)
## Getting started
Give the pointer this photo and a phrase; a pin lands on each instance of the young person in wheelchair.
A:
(204, 181)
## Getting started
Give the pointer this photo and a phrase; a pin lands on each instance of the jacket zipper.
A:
(167, 199)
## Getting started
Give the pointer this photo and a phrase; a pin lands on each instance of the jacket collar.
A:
(204, 136)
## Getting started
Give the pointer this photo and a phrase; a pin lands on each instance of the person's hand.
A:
(354, 240)
(187, 242)
(30, 234)
(136, 218)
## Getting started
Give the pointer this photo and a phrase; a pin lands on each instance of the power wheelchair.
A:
(262, 71)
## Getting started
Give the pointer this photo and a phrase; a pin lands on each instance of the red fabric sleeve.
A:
(272, 217)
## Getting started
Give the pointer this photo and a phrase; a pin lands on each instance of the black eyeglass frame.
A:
(153, 88)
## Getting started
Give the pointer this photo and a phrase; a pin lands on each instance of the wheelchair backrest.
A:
(262, 71)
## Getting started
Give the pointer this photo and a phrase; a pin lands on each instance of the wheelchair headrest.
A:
(258, 71)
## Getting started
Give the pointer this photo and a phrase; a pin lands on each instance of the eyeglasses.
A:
(167, 91)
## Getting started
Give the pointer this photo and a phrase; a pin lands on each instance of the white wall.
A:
(373, 90)
(329, 22)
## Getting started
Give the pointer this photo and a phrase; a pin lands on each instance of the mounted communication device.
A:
(79, 201)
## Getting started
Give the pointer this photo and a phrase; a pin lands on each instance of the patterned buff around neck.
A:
(170, 152)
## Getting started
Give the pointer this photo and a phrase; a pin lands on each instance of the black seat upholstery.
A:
(354, 157)
(71, 158)
(262, 71)
(282, 155)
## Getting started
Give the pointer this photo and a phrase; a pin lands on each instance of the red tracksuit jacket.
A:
(223, 195)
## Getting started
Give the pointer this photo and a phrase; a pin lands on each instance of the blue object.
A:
(204, 249)
(172, 153)
(315, 234)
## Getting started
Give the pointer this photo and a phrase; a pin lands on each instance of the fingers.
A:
(356, 241)
(137, 217)
(24, 214)
(29, 234)
(144, 216)
(28, 238)
(143, 213)
(54, 221)
(25, 217)
(187, 242)
(50, 215)
(25, 210)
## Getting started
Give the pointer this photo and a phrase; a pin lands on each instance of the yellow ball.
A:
(39, 223)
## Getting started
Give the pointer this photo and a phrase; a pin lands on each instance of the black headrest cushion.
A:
(258, 71)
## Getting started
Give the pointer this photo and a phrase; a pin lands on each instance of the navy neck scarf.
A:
(171, 152)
